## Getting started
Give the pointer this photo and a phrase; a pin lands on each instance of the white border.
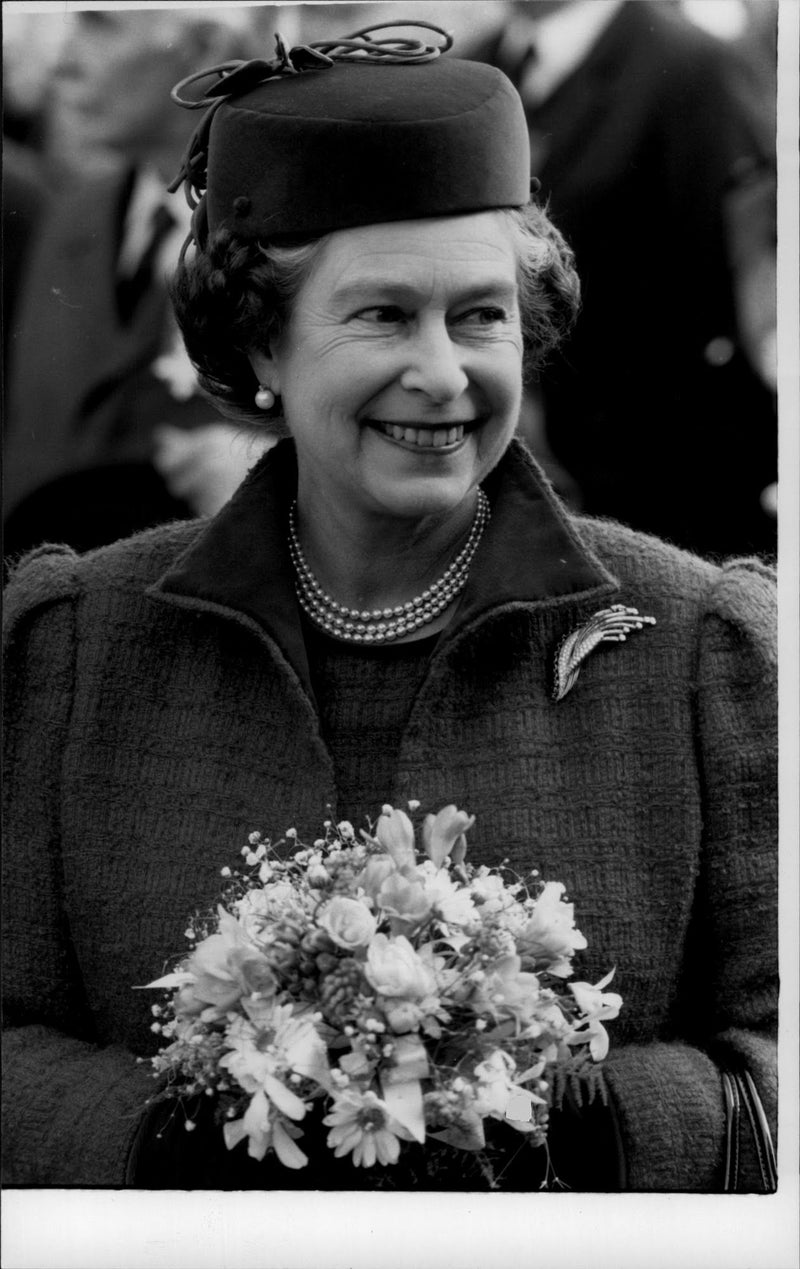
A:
(79, 1229)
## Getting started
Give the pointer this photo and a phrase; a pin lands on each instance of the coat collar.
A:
(239, 566)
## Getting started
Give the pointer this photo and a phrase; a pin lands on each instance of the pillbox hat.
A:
(353, 132)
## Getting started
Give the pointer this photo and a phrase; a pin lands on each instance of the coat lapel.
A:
(239, 566)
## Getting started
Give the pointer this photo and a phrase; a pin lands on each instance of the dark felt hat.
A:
(359, 141)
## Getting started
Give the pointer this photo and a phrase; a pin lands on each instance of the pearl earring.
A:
(265, 398)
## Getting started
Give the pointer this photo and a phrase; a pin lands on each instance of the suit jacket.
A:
(81, 394)
(652, 404)
(24, 200)
(160, 709)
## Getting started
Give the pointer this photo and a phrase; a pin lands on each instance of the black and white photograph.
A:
(401, 686)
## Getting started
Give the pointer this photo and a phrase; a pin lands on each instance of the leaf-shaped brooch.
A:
(609, 625)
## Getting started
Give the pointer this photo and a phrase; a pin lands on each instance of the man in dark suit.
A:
(659, 168)
(24, 201)
(105, 433)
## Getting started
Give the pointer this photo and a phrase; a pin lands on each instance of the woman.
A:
(380, 613)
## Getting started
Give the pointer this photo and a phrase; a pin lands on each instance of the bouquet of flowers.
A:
(415, 997)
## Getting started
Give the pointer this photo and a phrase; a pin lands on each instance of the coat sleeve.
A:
(70, 1107)
(669, 1095)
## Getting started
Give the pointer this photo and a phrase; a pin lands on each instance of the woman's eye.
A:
(382, 314)
(489, 315)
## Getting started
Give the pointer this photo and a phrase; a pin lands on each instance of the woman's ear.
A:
(265, 369)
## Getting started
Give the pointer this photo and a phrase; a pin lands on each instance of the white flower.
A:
(264, 1128)
(494, 1087)
(376, 870)
(349, 922)
(453, 967)
(443, 834)
(597, 1006)
(394, 969)
(550, 935)
(262, 1054)
(451, 902)
(402, 1016)
(360, 1123)
(490, 892)
(403, 899)
(395, 833)
(507, 991)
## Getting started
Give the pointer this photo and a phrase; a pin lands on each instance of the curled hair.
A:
(237, 295)
(549, 292)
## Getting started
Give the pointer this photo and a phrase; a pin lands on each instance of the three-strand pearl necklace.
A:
(381, 625)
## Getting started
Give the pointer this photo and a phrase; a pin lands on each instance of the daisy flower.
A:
(361, 1123)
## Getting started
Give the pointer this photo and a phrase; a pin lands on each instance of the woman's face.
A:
(400, 366)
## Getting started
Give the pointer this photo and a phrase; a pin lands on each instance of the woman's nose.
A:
(435, 365)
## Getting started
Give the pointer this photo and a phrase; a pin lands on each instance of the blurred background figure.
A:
(105, 433)
(30, 49)
(24, 200)
(654, 142)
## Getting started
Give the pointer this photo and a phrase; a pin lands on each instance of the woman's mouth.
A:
(428, 437)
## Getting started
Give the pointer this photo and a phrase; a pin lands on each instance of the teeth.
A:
(424, 437)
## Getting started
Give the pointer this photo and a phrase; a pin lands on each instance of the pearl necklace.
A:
(381, 625)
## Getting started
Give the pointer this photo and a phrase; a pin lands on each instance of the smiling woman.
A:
(402, 335)
(394, 353)
(394, 606)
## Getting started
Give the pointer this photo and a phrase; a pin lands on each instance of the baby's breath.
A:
(346, 973)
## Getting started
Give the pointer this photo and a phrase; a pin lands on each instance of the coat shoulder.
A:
(647, 561)
(740, 590)
(53, 573)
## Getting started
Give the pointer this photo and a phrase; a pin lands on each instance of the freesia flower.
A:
(376, 870)
(550, 934)
(439, 991)
(255, 1125)
(393, 968)
(221, 969)
(361, 1124)
(349, 922)
(395, 833)
(318, 876)
(262, 1054)
(443, 835)
(598, 1006)
(494, 1087)
(450, 902)
(263, 1128)
(507, 991)
(404, 900)
(252, 971)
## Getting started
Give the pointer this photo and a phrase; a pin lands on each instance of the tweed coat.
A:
(159, 709)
